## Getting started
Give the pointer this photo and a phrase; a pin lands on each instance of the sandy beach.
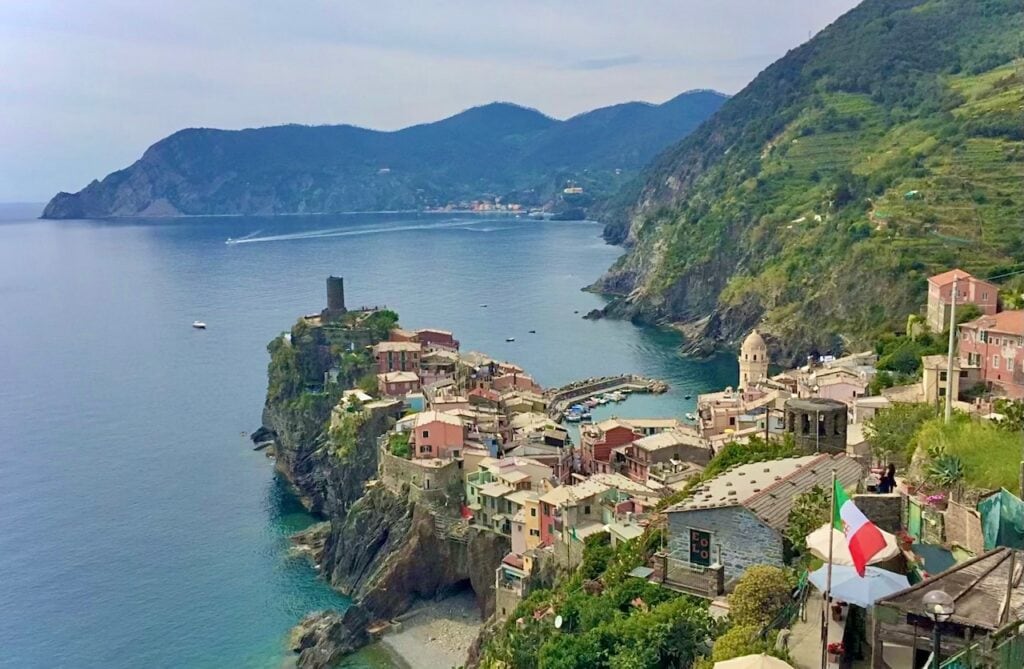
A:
(436, 635)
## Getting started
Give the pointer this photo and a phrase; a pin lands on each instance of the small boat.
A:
(573, 417)
(602, 400)
(690, 417)
(533, 332)
(483, 306)
(616, 396)
(687, 397)
(510, 338)
(590, 404)
(586, 417)
(199, 325)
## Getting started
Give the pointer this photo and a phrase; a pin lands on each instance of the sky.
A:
(87, 86)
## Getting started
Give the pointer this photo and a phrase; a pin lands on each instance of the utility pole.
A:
(949, 355)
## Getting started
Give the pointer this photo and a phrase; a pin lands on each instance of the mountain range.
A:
(496, 150)
(816, 202)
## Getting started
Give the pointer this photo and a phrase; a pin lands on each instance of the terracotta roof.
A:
(978, 586)
(1009, 322)
(768, 488)
(398, 377)
(427, 417)
(947, 277)
(670, 439)
(570, 494)
(386, 346)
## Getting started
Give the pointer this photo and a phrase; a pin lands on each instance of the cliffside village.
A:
(482, 443)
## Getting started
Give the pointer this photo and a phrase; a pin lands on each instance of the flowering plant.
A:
(836, 648)
(935, 500)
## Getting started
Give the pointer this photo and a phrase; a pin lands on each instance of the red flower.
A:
(836, 648)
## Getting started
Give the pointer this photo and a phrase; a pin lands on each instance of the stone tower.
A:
(335, 297)
(818, 424)
(753, 360)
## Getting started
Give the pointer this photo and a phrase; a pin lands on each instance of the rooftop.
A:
(947, 277)
(670, 439)
(385, 346)
(768, 488)
(570, 494)
(398, 377)
(495, 489)
(1009, 322)
(979, 587)
(812, 404)
(427, 417)
(520, 497)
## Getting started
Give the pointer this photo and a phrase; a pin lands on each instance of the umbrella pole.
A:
(828, 575)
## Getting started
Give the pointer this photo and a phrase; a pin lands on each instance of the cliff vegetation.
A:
(497, 150)
(818, 199)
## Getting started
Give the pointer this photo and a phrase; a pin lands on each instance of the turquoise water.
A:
(138, 528)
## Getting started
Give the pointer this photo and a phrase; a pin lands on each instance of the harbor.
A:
(573, 402)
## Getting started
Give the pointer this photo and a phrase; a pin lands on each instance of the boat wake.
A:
(354, 232)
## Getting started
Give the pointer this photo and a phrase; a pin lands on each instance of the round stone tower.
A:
(818, 424)
(753, 360)
(335, 295)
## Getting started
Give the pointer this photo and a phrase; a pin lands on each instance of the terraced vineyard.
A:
(818, 200)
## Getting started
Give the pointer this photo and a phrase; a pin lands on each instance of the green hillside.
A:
(819, 199)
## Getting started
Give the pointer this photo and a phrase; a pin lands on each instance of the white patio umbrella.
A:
(761, 661)
(817, 543)
(849, 587)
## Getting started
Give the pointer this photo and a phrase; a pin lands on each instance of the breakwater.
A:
(559, 399)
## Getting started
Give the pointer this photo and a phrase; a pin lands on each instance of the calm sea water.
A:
(137, 526)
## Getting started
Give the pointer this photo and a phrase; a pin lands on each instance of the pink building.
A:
(515, 381)
(434, 339)
(398, 384)
(597, 442)
(969, 290)
(994, 344)
(397, 356)
(438, 435)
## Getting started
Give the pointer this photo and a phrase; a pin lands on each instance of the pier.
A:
(560, 399)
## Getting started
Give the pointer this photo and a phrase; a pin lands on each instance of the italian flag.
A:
(863, 538)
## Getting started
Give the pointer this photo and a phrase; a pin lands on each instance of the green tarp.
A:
(1002, 520)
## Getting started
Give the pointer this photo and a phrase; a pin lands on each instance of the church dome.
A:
(754, 342)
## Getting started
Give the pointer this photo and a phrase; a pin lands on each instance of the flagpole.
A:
(828, 576)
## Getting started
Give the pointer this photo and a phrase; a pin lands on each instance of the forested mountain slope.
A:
(819, 198)
(497, 150)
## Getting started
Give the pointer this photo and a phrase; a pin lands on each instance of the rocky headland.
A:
(380, 543)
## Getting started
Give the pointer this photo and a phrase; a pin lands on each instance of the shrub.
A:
(738, 641)
(761, 594)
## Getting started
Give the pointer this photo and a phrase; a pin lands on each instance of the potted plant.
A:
(835, 651)
(905, 540)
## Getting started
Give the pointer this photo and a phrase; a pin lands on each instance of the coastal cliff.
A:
(383, 543)
(816, 202)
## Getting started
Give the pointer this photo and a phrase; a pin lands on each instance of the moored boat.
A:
(199, 325)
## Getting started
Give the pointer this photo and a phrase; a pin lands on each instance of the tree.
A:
(810, 511)
(761, 594)
(891, 431)
(740, 640)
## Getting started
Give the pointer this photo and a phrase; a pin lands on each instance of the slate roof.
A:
(978, 586)
(769, 488)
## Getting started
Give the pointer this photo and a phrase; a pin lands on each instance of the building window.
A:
(942, 376)
(1009, 364)
(533, 512)
(700, 547)
(426, 434)
(963, 374)
(984, 297)
(586, 510)
(983, 336)
(995, 362)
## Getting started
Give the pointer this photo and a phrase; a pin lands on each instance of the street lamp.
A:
(938, 606)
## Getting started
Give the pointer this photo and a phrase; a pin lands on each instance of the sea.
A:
(138, 528)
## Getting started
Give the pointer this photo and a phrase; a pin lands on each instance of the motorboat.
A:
(199, 325)
(690, 417)
(510, 338)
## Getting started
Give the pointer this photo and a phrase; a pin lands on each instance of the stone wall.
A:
(885, 511)
(426, 482)
(738, 538)
(567, 555)
(963, 528)
(505, 602)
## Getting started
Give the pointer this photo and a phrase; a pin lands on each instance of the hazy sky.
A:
(87, 86)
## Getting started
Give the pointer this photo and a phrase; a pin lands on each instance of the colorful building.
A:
(993, 345)
(438, 435)
(969, 290)
(680, 445)
(398, 384)
(598, 440)
(397, 356)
